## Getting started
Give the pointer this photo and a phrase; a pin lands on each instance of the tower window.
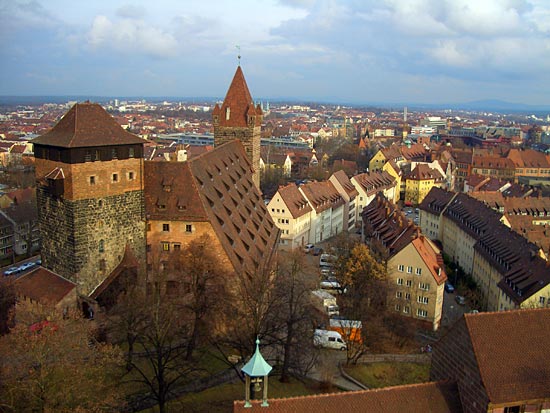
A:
(92, 180)
(115, 177)
(130, 176)
(189, 228)
(101, 245)
(130, 152)
(165, 246)
(97, 155)
(114, 154)
(166, 227)
(88, 156)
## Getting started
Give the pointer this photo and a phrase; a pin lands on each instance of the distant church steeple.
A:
(238, 118)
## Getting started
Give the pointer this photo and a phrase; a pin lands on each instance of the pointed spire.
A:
(238, 104)
(257, 366)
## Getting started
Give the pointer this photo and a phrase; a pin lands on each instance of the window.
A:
(177, 247)
(406, 309)
(130, 176)
(398, 294)
(115, 177)
(166, 227)
(114, 153)
(424, 286)
(400, 281)
(409, 269)
(401, 267)
(397, 307)
(188, 228)
(165, 246)
(130, 152)
(422, 300)
(88, 156)
(97, 155)
(541, 300)
(419, 271)
(407, 296)
(92, 180)
(512, 409)
(409, 283)
(421, 313)
(101, 245)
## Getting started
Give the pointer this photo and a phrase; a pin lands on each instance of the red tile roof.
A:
(436, 397)
(87, 125)
(294, 200)
(43, 286)
(238, 105)
(511, 349)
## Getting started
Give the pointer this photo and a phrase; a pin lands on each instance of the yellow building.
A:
(420, 181)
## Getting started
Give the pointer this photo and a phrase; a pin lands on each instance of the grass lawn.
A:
(377, 375)
(220, 399)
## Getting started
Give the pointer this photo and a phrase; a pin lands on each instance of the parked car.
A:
(327, 260)
(308, 248)
(12, 270)
(327, 272)
(26, 266)
(39, 261)
(460, 300)
(449, 287)
(317, 251)
(330, 285)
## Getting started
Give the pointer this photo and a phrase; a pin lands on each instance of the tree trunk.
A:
(285, 374)
(192, 343)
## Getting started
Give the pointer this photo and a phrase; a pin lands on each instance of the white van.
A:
(329, 339)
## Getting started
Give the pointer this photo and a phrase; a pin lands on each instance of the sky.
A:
(355, 51)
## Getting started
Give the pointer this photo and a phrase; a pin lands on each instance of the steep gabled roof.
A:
(322, 195)
(238, 106)
(432, 257)
(294, 200)
(87, 125)
(215, 187)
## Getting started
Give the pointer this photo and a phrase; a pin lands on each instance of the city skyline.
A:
(360, 52)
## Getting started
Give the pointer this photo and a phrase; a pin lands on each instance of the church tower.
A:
(89, 174)
(238, 118)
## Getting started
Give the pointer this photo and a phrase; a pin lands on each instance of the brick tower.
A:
(90, 195)
(238, 118)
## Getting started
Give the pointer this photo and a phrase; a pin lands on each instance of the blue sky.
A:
(356, 51)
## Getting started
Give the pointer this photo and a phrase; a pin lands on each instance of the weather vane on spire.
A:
(239, 55)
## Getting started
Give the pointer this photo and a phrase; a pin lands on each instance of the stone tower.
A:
(238, 118)
(89, 174)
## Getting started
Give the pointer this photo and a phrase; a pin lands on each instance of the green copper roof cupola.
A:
(256, 371)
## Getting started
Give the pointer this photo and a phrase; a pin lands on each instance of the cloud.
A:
(131, 11)
(130, 36)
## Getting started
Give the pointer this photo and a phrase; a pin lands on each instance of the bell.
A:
(257, 387)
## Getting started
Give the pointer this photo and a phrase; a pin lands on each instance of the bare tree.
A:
(203, 280)
(294, 314)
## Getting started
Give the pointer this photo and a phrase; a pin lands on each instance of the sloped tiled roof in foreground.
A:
(436, 397)
(216, 187)
(511, 348)
(87, 125)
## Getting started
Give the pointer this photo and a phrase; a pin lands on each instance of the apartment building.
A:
(416, 272)
(369, 184)
(420, 181)
(291, 213)
(343, 185)
(510, 271)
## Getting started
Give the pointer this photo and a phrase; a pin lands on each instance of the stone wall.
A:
(84, 240)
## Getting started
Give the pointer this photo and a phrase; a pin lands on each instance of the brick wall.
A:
(249, 137)
(453, 358)
(77, 177)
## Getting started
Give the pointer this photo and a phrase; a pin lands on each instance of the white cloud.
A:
(129, 35)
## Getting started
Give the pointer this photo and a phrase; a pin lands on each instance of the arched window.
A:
(101, 245)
